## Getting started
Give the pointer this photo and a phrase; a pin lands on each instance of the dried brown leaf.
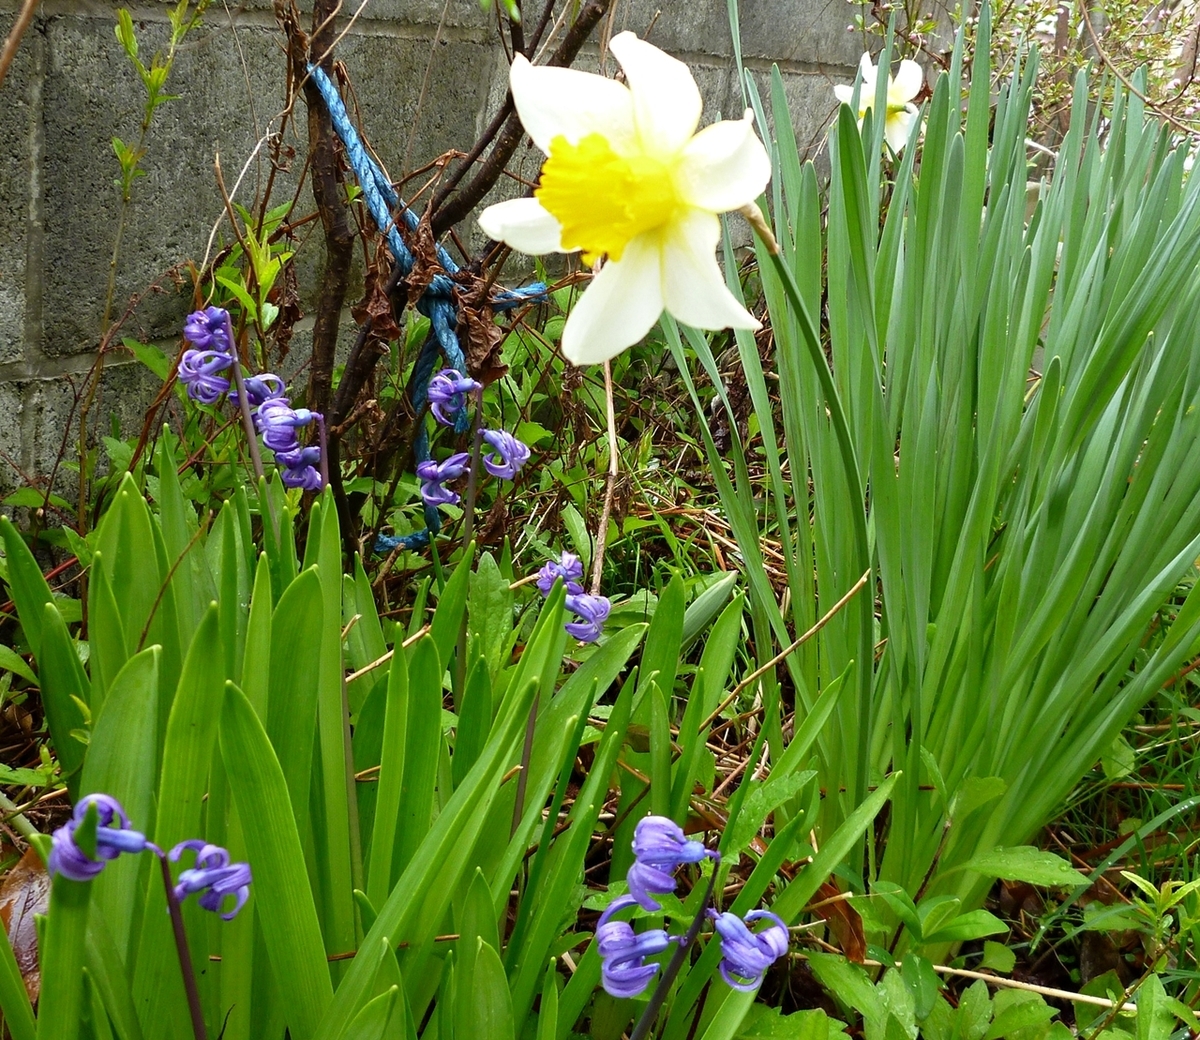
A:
(25, 892)
(833, 907)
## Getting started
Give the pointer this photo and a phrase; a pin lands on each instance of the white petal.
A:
(898, 127)
(907, 84)
(619, 307)
(693, 286)
(523, 224)
(866, 65)
(666, 100)
(843, 93)
(555, 102)
(724, 166)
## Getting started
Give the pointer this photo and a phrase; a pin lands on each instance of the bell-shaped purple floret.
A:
(568, 568)
(447, 394)
(113, 836)
(213, 877)
(746, 955)
(208, 329)
(509, 454)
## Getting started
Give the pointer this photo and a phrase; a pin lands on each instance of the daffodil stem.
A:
(185, 954)
(837, 415)
(610, 483)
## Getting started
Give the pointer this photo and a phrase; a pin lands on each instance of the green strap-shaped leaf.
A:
(423, 742)
(106, 635)
(282, 897)
(452, 604)
(60, 1006)
(29, 589)
(488, 1006)
(122, 762)
(14, 999)
(390, 784)
(63, 680)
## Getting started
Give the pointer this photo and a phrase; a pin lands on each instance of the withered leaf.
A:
(425, 259)
(24, 892)
(481, 337)
(832, 906)
(376, 306)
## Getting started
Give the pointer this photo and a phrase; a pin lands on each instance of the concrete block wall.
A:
(427, 75)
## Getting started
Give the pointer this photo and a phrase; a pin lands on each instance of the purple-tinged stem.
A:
(324, 442)
(244, 403)
(181, 945)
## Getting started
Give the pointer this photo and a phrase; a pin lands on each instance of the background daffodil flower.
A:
(628, 179)
(900, 91)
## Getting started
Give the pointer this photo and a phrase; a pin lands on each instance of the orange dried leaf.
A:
(833, 907)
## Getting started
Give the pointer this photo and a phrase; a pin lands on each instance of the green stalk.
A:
(837, 415)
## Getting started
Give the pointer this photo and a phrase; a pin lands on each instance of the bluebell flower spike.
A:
(208, 329)
(623, 952)
(447, 394)
(434, 474)
(508, 454)
(746, 955)
(592, 612)
(568, 567)
(200, 372)
(659, 848)
(259, 389)
(213, 876)
(113, 836)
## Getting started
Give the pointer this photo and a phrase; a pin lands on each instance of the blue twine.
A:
(437, 302)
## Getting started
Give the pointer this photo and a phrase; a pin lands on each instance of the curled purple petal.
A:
(623, 952)
(592, 612)
(213, 877)
(509, 454)
(569, 568)
(208, 329)
(199, 371)
(113, 836)
(447, 394)
(746, 955)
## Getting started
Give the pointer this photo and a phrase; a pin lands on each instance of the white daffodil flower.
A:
(901, 112)
(628, 180)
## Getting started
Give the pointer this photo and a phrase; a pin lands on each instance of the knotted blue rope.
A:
(438, 302)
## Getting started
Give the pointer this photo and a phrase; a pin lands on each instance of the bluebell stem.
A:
(659, 849)
(199, 371)
(509, 454)
(113, 836)
(447, 394)
(207, 329)
(746, 955)
(569, 568)
(433, 474)
(623, 952)
(213, 876)
(592, 612)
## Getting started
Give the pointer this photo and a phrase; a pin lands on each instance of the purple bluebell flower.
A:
(623, 952)
(113, 836)
(569, 568)
(277, 421)
(259, 389)
(659, 848)
(208, 329)
(746, 955)
(592, 612)
(213, 876)
(199, 372)
(510, 454)
(433, 474)
(307, 478)
(447, 394)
